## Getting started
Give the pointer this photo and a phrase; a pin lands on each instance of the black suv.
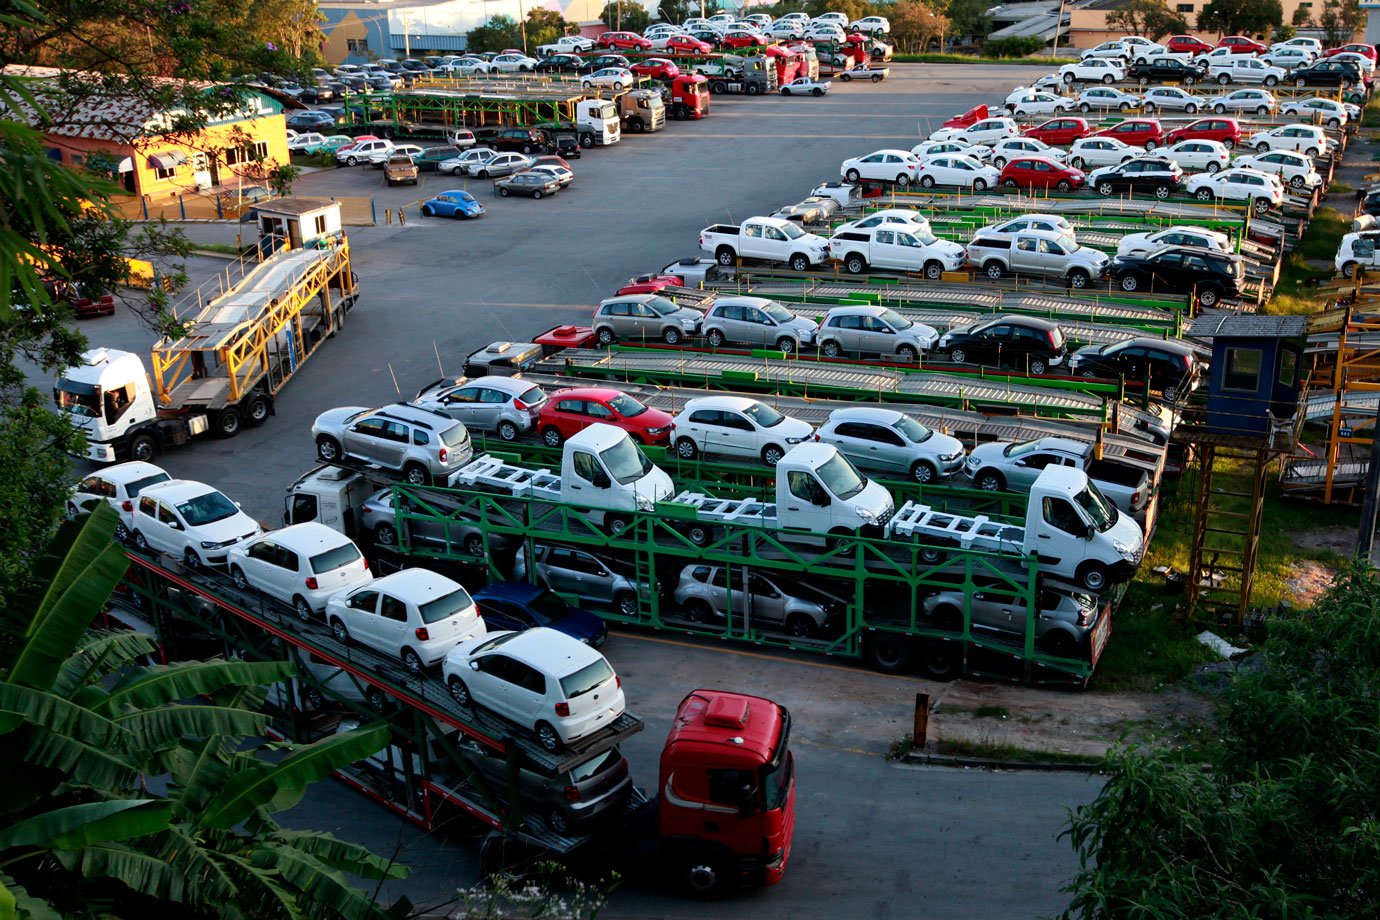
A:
(1208, 274)
(1324, 73)
(560, 63)
(1023, 342)
(1159, 175)
(1164, 68)
(523, 140)
(1167, 365)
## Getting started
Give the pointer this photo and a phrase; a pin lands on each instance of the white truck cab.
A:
(108, 396)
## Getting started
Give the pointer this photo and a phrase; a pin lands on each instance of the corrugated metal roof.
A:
(1249, 325)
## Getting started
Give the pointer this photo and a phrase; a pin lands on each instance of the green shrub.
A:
(1020, 46)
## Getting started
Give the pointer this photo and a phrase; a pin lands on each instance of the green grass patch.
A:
(1370, 115)
(937, 58)
(995, 750)
(991, 712)
(1294, 295)
(224, 248)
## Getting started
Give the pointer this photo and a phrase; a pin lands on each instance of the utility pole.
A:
(407, 33)
(1370, 502)
(522, 24)
(1058, 27)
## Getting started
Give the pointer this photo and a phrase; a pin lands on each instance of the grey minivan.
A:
(644, 316)
(874, 330)
(757, 321)
(508, 406)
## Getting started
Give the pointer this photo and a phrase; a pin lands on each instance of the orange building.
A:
(139, 145)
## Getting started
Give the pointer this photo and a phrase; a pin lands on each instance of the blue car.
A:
(455, 204)
(310, 120)
(517, 605)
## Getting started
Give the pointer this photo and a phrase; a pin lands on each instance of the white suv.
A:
(1309, 139)
(302, 565)
(735, 426)
(415, 615)
(422, 444)
(189, 520)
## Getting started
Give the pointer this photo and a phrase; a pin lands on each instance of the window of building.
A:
(165, 173)
(1243, 369)
(320, 223)
(356, 44)
(1184, 8)
(246, 154)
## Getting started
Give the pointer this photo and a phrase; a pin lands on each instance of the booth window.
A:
(1288, 367)
(1243, 370)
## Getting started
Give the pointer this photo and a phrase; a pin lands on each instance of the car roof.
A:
(407, 412)
(416, 584)
(866, 414)
(129, 471)
(307, 537)
(586, 393)
(738, 403)
(550, 650)
(512, 385)
(858, 310)
(1145, 341)
(517, 591)
(175, 490)
(1067, 445)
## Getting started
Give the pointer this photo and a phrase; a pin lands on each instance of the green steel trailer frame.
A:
(881, 584)
(425, 778)
(463, 108)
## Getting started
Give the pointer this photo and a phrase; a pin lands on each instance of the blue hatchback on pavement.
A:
(518, 605)
(456, 203)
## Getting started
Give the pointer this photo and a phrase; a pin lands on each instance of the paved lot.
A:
(873, 840)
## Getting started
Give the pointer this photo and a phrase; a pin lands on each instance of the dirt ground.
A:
(1067, 722)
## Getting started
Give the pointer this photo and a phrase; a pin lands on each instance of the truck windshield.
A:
(776, 784)
(625, 462)
(912, 430)
(207, 509)
(895, 320)
(662, 306)
(1101, 512)
(841, 478)
(626, 406)
(778, 312)
(790, 230)
(764, 415)
(448, 605)
(79, 399)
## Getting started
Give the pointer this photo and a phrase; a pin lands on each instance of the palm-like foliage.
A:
(88, 731)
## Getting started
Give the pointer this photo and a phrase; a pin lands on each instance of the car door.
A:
(885, 446)
(391, 624)
(165, 531)
(1060, 534)
(768, 601)
(1022, 474)
(991, 343)
(91, 491)
(1130, 364)
(261, 568)
(560, 572)
(494, 674)
(360, 613)
(525, 694)
(876, 336)
(462, 404)
(883, 249)
(742, 436)
(1025, 255)
(758, 329)
(1166, 272)
(367, 440)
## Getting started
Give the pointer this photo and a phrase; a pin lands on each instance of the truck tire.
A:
(994, 269)
(940, 659)
(933, 270)
(888, 653)
(257, 409)
(725, 255)
(617, 524)
(704, 876)
(1079, 278)
(1208, 296)
(143, 446)
(855, 264)
(227, 422)
(800, 262)
(635, 126)
(1093, 576)
(754, 89)
(328, 448)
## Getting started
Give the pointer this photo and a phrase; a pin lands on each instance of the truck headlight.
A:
(644, 503)
(1130, 554)
(868, 517)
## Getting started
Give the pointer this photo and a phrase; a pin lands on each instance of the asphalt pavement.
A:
(873, 839)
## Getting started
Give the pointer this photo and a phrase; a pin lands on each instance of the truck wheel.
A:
(940, 660)
(799, 262)
(725, 255)
(934, 271)
(416, 475)
(889, 653)
(1079, 278)
(994, 269)
(1208, 296)
(617, 524)
(386, 535)
(547, 737)
(227, 422)
(687, 449)
(327, 448)
(948, 619)
(143, 447)
(855, 264)
(922, 471)
(704, 876)
(551, 436)
(801, 626)
(990, 481)
(1093, 576)
(931, 555)
(636, 126)
(257, 410)
(772, 454)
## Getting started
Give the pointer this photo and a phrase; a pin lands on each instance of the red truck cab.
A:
(689, 96)
(727, 791)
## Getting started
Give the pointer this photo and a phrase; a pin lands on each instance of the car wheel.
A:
(934, 271)
(1078, 278)
(484, 174)
(990, 481)
(1209, 297)
(903, 181)
(1089, 375)
(927, 181)
(586, 85)
(852, 175)
(817, 91)
(772, 454)
(1084, 107)
(1130, 283)
(536, 193)
(1214, 167)
(327, 448)
(507, 431)
(1334, 123)
(686, 449)
(715, 338)
(1093, 576)
(994, 270)
(1149, 107)
(458, 691)
(625, 602)
(342, 635)
(386, 535)
(1078, 163)
(1312, 151)
(785, 345)
(551, 436)
(1151, 145)
(1068, 78)
(799, 262)
(979, 185)
(1203, 194)
(1161, 192)
(548, 738)
(1108, 78)
(923, 471)
(855, 264)
(1009, 183)
(831, 349)
(606, 336)
(303, 609)
(1143, 81)
(959, 356)
(1105, 188)
(785, 91)
(416, 475)
(801, 626)
(426, 211)
(907, 353)
(1262, 110)
(1220, 109)
(1064, 185)
(237, 576)
(503, 192)
(1223, 79)
(351, 161)
(1191, 108)
(457, 171)
(1300, 82)
(1171, 394)
(1038, 365)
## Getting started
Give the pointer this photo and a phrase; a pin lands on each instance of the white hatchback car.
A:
(1037, 103)
(883, 166)
(1012, 147)
(1261, 190)
(1200, 155)
(735, 426)
(117, 485)
(1088, 152)
(962, 171)
(415, 615)
(910, 218)
(616, 77)
(189, 520)
(1143, 243)
(542, 679)
(1309, 139)
(302, 565)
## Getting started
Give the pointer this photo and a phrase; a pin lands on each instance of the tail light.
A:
(127, 505)
(520, 405)
(366, 563)
(816, 435)
(562, 709)
(618, 681)
(1052, 344)
(421, 633)
(572, 793)
(311, 583)
(443, 455)
(1135, 498)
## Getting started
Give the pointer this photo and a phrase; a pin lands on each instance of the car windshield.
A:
(912, 430)
(662, 306)
(626, 406)
(590, 677)
(841, 478)
(446, 605)
(764, 415)
(924, 237)
(139, 485)
(894, 320)
(491, 644)
(1020, 449)
(625, 462)
(336, 558)
(1102, 512)
(778, 312)
(207, 509)
(547, 608)
(791, 231)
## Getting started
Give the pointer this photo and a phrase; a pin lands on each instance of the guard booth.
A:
(297, 223)
(1255, 382)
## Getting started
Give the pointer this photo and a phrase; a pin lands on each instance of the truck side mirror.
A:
(822, 499)
(601, 480)
(1091, 532)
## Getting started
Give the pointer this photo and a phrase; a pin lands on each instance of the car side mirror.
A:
(474, 666)
(601, 481)
(175, 525)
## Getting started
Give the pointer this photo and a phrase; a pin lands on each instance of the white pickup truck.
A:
(771, 239)
(1070, 527)
(569, 44)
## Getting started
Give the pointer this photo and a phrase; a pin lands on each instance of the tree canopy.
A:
(625, 15)
(1150, 18)
(1241, 17)
(914, 24)
(1286, 822)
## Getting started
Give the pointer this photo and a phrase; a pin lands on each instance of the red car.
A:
(1060, 132)
(650, 284)
(656, 67)
(742, 38)
(1138, 132)
(624, 41)
(1240, 44)
(971, 117)
(1355, 48)
(569, 412)
(1041, 172)
(1217, 128)
(688, 44)
(1187, 44)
